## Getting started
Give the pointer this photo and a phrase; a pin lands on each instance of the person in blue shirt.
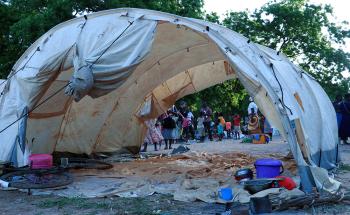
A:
(220, 130)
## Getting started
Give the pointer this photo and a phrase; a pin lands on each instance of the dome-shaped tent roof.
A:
(134, 64)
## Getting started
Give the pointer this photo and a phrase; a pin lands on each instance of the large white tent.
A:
(122, 66)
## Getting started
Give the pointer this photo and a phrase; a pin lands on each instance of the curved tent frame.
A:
(134, 64)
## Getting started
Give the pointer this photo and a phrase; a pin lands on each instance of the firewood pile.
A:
(308, 200)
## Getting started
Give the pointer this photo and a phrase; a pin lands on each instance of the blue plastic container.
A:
(226, 194)
(268, 168)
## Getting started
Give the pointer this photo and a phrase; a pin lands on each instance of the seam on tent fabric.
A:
(52, 114)
(184, 81)
(156, 100)
(175, 52)
(167, 86)
(62, 126)
(188, 73)
(169, 55)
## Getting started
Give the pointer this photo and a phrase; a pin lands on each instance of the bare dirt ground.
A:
(15, 202)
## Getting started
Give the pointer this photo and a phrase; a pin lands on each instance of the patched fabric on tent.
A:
(92, 90)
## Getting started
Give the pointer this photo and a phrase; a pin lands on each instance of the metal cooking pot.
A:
(255, 186)
(243, 174)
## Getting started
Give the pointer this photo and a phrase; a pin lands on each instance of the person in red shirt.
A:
(236, 126)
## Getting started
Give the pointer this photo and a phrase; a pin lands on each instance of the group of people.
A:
(342, 109)
(179, 124)
(169, 127)
(215, 125)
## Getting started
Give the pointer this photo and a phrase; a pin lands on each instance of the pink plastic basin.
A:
(40, 161)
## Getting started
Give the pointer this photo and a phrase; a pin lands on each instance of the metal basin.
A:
(255, 186)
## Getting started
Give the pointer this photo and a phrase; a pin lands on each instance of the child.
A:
(148, 137)
(228, 129)
(156, 135)
(221, 119)
(236, 126)
(220, 130)
(200, 127)
(152, 135)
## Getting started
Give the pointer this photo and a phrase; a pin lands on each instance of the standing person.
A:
(336, 104)
(228, 128)
(220, 130)
(207, 112)
(148, 137)
(200, 127)
(156, 137)
(236, 126)
(178, 126)
(190, 118)
(168, 132)
(344, 108)
(252, 107)
(187, 118)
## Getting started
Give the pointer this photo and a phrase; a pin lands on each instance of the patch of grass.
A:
(50, 203)
(76, 202)
(345, 167)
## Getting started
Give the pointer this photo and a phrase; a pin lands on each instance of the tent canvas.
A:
(114, 63)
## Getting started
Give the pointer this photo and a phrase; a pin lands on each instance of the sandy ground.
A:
(277, 146)
(14, 202)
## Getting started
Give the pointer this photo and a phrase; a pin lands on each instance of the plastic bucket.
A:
(268, 168)
(226, 194)
(40, 161)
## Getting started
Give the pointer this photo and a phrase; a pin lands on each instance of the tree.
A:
(304, 33)
(229, 98)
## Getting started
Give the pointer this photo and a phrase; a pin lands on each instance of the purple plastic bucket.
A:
(268, 168)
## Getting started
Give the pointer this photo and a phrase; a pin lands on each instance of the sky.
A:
(341, 7)
(340, 10)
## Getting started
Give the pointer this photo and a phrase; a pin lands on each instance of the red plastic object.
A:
(40, 161)
(288, 183)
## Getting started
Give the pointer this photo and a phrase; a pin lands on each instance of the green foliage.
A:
(304, 33)
(230, 98)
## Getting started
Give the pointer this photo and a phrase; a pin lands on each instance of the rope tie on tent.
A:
(35, 107)
(47, 99)
(279, 84)
(13, 74)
